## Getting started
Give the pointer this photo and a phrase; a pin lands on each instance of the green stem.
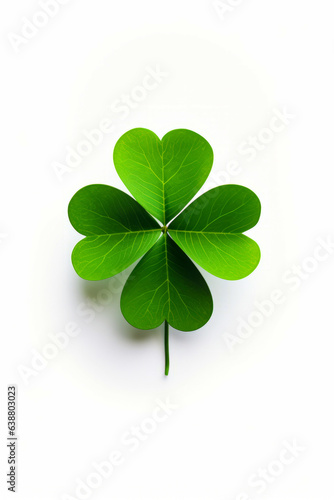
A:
(166, 348)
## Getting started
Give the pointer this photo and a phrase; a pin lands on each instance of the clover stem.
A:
(166, 348)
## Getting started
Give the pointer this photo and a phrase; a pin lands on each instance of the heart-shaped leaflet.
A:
(163, 175)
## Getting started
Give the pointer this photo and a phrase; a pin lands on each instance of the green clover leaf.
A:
(118, 231)
(163, 176)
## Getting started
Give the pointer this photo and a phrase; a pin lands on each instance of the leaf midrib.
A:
(167, 274)
(203, 232)
(124, 232)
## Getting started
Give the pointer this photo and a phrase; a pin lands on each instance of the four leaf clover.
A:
(163, 176)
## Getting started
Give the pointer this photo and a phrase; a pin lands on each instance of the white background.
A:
(236, 406)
